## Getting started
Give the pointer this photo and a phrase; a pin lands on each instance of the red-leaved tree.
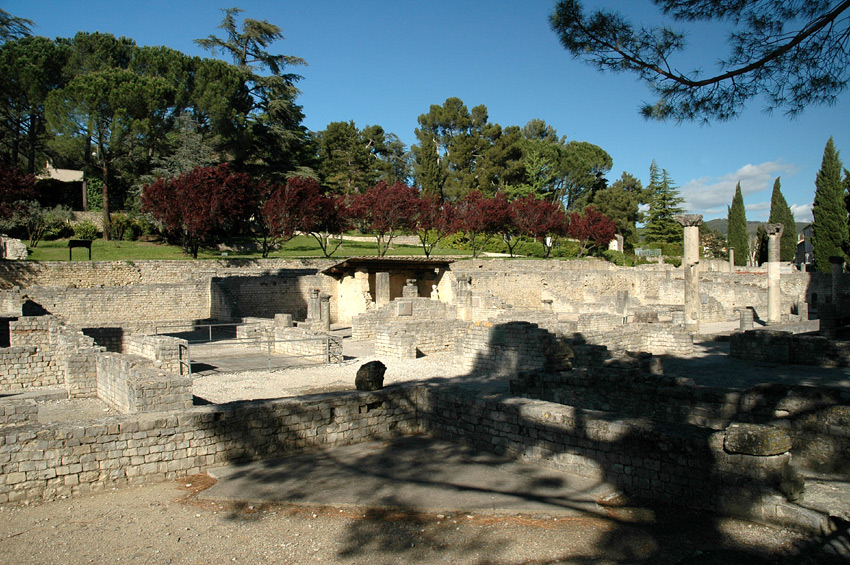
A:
(202, 204)
(540, 219)
(432, 221)
(479, 217)
(592, 229)
(16, 188)
(385, 210)
(300, 206)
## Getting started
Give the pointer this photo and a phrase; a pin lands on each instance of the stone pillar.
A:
(732, 259)
(382, 289)
(313, 312)
(283, 320)
(325, 311)
(774, 234)
(837, 270)
(690, 264)
(410, 290)
(746, 319)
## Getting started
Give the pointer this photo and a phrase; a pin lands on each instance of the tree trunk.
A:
(105, 170)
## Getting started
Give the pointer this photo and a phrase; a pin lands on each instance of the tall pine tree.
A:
(664, 203)
(829, 230)
(736, 233)
(780, 213)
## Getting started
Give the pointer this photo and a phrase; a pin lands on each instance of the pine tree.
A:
(780, 213)
(829, 230)
(737, 227)
(664, 201)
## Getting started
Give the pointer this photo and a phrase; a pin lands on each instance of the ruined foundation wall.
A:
(129, 384)
(789, 349)
(572, 284)
(48, 461)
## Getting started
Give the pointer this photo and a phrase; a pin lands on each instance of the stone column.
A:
(313, 312)
(325, 311)
(774, 234)
(382, 289)
(746, 323)
(732, 259)
(690, 265)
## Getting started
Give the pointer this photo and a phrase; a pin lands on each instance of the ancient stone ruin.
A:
(582, 344)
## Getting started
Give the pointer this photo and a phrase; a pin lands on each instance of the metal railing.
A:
(647, 252)
(212, 332)
(331, 352)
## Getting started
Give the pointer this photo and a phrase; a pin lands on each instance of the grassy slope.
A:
(300, 246)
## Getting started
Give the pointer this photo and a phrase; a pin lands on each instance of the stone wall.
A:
(128, 384)
(510, 348)
(165, 352)
(408, 340)
(787, 348)
(815, 419)
(48, 461)
(364, 326)
(676, 464)
(27, 366)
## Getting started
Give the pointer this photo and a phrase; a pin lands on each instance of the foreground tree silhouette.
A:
(794, 53)
(204, 203)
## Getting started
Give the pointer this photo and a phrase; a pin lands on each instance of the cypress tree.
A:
(829, 230)
(780, 213)
(737, 227)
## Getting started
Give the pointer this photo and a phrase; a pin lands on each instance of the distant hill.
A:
(722, 224)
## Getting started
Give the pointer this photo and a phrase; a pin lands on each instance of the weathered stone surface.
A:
(755, 439)
(370, 376)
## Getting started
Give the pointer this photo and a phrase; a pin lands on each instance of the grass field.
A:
(300, 246)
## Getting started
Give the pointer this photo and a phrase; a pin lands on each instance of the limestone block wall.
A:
(816, 419)
(317, 346)
(505, 349)
(165, 352)
(681, 465)
(48, 461)
(284, 292)
(788, 348)
(404, 340)
(128, 384)
(27, 366)
(364, 326)
(658, 339)
(16, 411)
(102, 306)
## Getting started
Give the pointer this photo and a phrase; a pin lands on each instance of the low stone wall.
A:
(364, 326)
(27, 366)
(788, 348)
(406, 340)
(510, 348)
(680, 465)
(48, 461)
(163, 351)
(816, 419)
(128, 384)
(300, 342)
(658, 339)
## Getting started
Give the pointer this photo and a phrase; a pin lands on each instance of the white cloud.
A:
(802, 212)
(710, 196)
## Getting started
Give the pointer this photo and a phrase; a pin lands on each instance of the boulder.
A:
(755, 439)
(370, 376)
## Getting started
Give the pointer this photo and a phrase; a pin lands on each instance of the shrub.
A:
(675, 261)
(619, 258)
(86, 230)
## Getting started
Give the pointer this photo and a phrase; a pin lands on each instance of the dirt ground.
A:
(166, 523)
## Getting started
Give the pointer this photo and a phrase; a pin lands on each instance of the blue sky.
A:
(385, 63)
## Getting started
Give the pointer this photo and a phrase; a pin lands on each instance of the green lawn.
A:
(300, 246)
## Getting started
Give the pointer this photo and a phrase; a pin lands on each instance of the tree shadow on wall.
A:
(390, 479)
